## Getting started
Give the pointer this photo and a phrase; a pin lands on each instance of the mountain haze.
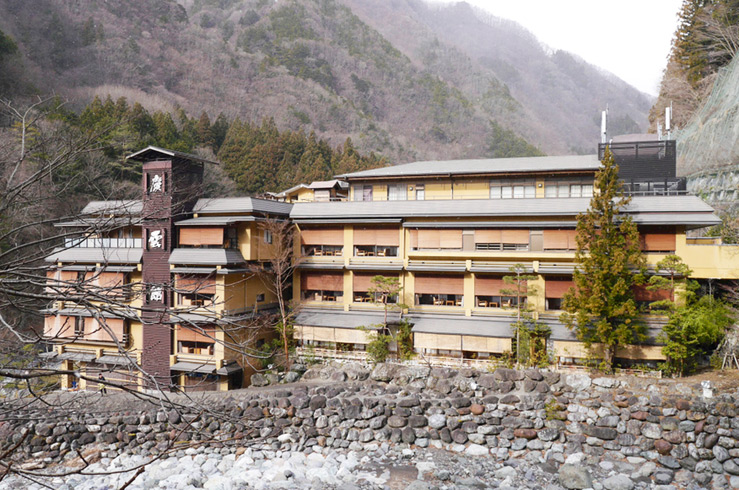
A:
(401, 78)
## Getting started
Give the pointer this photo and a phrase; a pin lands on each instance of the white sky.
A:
(630, 38)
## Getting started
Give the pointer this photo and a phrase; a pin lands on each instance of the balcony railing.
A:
(102, 242)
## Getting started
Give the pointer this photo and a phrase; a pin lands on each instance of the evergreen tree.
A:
(219, 130)
(674, 268)
(601, 309)
(204, 132)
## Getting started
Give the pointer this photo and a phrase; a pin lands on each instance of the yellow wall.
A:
(471, 189)
(438, 190)
(303, 195)
(244, 236)
(709, 261)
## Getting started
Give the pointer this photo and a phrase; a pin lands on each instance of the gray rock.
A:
(396, 421)
(575, 476)
(437, 421)
(418, 485)
(578, 382)
(720, 453)
(503, 374)
(259, 380)
(384, 372)
(618, 482)
(651, 431)
(731, 467)
(292, 377)
(317, 401)
(605, 382)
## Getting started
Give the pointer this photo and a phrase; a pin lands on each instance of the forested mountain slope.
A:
(315, 65)
(560, 95)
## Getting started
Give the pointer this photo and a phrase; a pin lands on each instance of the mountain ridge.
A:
(318, 65)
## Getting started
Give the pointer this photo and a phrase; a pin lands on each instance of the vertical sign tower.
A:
(170, 185)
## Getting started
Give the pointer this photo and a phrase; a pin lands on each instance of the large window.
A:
(502, 240)
(436, 239)
(397, 192)
(493, 292)
(555, 289)
(194, 290)
(203, 237)
(322, 286)
(196, 340)
(512, 189)
(322, 242)
(362, 192)
(559, 240)
(439, 290)
(376, 242)
(569, 188)
(361, 285)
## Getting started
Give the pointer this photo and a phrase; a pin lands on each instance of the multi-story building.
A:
(164, 290)
(451, 230)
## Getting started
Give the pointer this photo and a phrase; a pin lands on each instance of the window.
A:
(420, 192)
(397, 192)
(323, 251)
(232, 238)
(512, 189)
(267, 236)
(362, 192)
(79, 326)
(576, 187)
(260, 297)
(375, 251)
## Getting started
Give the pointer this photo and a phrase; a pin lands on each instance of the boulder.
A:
(618, 482)
(384, 372)
(259, 380)
(577, 381)
(574, 477)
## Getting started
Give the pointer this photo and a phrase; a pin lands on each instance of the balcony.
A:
(76, 242)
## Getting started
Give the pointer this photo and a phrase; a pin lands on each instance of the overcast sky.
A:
(630, 38)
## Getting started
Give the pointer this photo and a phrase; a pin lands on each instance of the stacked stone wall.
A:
(541, 416)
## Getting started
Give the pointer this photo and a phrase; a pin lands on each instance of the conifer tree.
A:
(601, 309)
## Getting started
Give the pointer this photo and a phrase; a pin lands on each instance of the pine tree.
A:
(601, 309)
(204, 132)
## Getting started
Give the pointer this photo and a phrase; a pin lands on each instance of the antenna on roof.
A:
(668, 116)
(603, 125)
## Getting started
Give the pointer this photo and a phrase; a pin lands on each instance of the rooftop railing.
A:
(102, 242)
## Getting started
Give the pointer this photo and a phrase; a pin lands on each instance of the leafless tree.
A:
(277, 275)
(42, 163)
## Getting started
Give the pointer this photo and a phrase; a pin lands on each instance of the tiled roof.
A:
(241, 205)
(315, 317)
(647, 210)
(97, 255)
(205, 256)
(116, 208)
(155, 152)
(482, 166)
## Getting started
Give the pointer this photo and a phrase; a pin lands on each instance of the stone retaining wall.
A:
(540, 415)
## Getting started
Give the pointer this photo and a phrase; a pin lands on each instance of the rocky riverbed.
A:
(378, 466)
